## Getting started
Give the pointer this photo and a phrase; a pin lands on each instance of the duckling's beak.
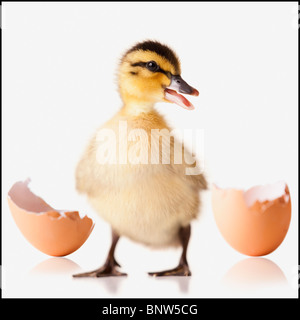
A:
(179, 85)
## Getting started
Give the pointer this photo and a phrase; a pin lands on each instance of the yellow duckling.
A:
(142, 190)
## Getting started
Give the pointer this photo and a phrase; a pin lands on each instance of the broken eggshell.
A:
(254, 222)
(54, 232)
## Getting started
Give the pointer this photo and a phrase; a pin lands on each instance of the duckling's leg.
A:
(110, 265)
(182, 269)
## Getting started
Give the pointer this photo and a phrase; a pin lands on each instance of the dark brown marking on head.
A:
(158, 48)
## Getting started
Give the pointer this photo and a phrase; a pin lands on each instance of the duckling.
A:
(150, 203)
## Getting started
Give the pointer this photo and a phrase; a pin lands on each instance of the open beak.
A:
(179, 85)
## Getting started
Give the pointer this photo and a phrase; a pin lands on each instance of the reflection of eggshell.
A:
(253, 222)
(254, 273)
(54, 232)
(55, 265)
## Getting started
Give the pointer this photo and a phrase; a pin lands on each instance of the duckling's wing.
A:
(86, 171)
(189, 168)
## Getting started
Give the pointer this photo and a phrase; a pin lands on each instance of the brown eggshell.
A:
(254, 227)
(54, 232)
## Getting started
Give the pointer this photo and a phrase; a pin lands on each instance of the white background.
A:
(59, 85)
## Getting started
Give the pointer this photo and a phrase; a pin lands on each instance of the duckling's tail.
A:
(199, 181)
(202, 182)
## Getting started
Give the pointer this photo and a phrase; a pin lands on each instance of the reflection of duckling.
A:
(149, 203)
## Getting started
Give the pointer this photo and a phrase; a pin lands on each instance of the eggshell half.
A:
(253, 222)
(54, 232)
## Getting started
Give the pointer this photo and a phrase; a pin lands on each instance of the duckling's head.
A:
(150, 72)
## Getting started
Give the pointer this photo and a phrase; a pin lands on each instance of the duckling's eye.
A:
(152, 66)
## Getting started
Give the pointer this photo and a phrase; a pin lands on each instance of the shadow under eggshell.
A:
(54, 232)
(254, 230)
